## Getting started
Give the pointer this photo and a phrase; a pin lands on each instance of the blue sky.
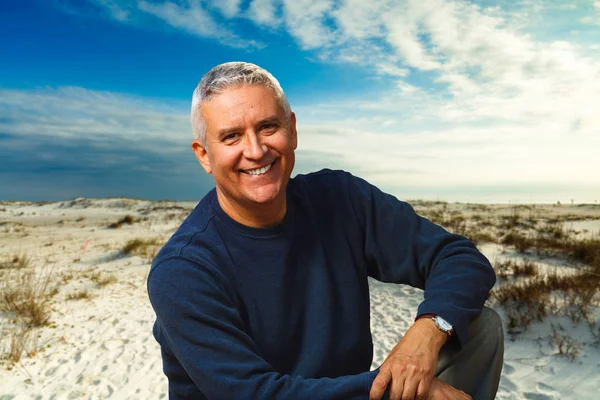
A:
(453, 100)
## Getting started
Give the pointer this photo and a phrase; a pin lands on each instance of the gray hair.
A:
(226, 76)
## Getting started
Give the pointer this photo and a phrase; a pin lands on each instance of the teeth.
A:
(260, 171)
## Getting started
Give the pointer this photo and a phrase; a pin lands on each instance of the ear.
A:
(293, 130)
(202, 155)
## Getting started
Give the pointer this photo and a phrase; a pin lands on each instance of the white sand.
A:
(103, 347)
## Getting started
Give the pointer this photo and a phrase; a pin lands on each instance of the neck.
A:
(254, 215)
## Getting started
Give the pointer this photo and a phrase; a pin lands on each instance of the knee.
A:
(490, 327)
(491, 318)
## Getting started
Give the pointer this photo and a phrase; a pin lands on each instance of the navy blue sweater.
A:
(283, 312)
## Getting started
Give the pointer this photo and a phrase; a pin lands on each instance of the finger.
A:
(380, 384)
(423, 390)
(410, 388)
(396, 388)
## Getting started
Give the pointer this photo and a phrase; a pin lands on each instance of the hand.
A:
(440, 390)
(411, 363)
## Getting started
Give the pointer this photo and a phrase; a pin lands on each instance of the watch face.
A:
(442, 323)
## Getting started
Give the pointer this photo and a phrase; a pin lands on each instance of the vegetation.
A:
(146, 248)
(15, 262)
(25, 294)
(126, 220)
(525, 293)
(79, 295)
(102, 279)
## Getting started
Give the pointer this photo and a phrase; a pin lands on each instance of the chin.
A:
(264, 196)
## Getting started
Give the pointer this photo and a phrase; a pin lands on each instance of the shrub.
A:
(525, 268)
(520, 242)
(128, 219)
(21, 339)
(15, 262)
(586, 251)
(102, 279)
(27, 294)
(532, 300)
(566, 345)
(142, 247)
(84, 294)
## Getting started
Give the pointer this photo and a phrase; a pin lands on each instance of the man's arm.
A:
(402, 247)
(203, 329)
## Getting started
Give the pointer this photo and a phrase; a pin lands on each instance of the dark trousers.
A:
(475, 369)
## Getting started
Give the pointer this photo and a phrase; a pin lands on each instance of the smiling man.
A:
(262, 293)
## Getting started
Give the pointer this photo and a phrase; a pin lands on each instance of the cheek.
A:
(224, 160)
(284, 144)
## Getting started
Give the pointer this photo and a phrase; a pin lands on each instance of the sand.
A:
(102, 346)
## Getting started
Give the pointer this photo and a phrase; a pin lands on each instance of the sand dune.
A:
(100, 345)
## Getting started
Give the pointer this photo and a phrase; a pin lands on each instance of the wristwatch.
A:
(443, 325)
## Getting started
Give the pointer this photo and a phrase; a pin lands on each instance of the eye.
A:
(269, 127)
(231, 137)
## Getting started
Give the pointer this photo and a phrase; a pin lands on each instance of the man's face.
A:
(249, 146)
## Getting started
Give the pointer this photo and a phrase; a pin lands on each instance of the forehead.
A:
(240, 105)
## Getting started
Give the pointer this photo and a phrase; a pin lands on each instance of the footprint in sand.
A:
(544, 392)
(508, 385)
(508, 369)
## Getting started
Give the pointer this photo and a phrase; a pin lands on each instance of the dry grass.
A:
(102, 279)
(510, 268)
(22, 340)
(534, 299)
(66, 277)
(80, 295)
(146, 248)
(586, 251)
(15, 262)
(519, 241)
(566, 345)
(528, 297)
(27, 293)
(126, 220)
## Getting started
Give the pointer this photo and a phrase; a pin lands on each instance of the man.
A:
(262, 293)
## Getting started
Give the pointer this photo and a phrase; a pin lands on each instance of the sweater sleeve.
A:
(403, 247)
(201, 326)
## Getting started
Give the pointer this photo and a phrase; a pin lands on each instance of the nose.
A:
(254, 149)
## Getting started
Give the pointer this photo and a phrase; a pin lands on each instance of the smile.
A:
(259, 171)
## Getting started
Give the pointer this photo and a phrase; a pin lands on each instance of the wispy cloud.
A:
(69, 142)
(72, 112)
(202, 18)
(264, 13)
(229, 8)
(475, 92)
(197, 20)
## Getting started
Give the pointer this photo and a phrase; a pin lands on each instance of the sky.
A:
(470, 101)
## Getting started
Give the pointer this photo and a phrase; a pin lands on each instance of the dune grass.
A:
(25, 294)
(147, 248)
(79, 295)
(15, 262)
(126, 220)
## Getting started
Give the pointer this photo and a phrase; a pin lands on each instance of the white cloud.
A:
(472, 97)
(197, 17)
(264, 13)
(118, 11)
(196, 20)
(193, 19)
(229, 8)
(73, 111)
(305, 21)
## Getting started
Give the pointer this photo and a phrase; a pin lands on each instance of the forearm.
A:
(251, 381)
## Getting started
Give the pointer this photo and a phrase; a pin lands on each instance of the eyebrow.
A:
(269, 120)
